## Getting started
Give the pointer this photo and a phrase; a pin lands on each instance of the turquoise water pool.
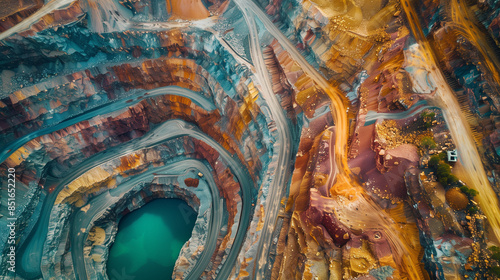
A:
(149, 240)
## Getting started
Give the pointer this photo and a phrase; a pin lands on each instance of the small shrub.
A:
(494, 249)
(434, 161)
(443, 156)
(471, 193)
(495, 270)
(443, 180)
(473, 209)
(443, 170)
(428, 118)
(452, 179)
(428, 143)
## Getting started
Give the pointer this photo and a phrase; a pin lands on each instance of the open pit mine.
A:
(249, 139)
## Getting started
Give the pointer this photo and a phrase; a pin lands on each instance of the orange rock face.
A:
(191, 182)
(187, 9)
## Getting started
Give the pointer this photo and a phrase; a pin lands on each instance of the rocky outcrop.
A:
(56, 262)
(400, 157)
(446, 247)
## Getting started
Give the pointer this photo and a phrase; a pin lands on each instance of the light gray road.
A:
(372, 116)
(281, 177)
(26, 23)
